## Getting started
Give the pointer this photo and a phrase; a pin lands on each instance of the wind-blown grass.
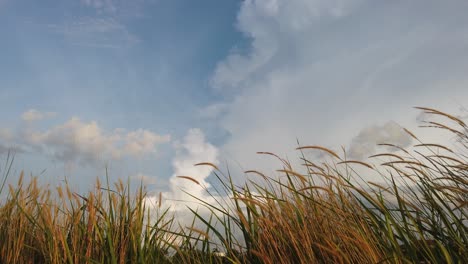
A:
(324, 212)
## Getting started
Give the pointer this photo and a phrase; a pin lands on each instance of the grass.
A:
(323, 212)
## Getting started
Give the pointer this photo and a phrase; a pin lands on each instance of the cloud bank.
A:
(79, 141)
(320, 71)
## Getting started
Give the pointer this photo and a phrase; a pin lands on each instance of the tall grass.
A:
(415, 211)
(105, 226)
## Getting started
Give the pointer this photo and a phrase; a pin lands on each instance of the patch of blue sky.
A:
(132, 67)
(69, 59)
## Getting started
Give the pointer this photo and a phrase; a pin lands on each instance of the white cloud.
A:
(84, 142)
(191, 150)
(269, 24)
(34, 115)
(141, 142)
(320, 71)
(364, 144)
(76, 140)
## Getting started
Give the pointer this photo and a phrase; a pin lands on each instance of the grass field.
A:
(322, 212)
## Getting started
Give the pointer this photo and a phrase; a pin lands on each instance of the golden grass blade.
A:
(393, 146)
(356, 162)
(196, 230)
(386, 154)
(247, 200)
(300, 176)
(320, 148)
(379, 186)
(410, 133)
(257, 173)
(160, 200)
(189, 178)
(406, 162)
(437, 112)
(330, 192)
(207, 164)
(434, 145)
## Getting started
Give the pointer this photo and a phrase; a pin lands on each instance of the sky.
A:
(147, 88)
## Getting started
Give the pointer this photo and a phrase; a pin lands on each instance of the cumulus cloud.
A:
(269, 24)
(364, 144)
(320, 71)
(84, 142)
(183, 192)
(191, 150)
(35, 115)
(141, 142)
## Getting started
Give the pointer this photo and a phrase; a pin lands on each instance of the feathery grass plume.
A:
(189, 178)
(415, 211)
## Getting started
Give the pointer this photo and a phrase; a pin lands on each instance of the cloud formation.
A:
(320, 71)
(83, 142)
(365, 143)
(191, 150)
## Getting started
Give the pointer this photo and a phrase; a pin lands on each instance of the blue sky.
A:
(150, 87)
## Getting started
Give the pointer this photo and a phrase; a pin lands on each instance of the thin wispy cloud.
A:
(101, 5)
(118, 8)
(103, 32)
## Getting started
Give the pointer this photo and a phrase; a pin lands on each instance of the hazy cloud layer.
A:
(320, 71)
(83, 142)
